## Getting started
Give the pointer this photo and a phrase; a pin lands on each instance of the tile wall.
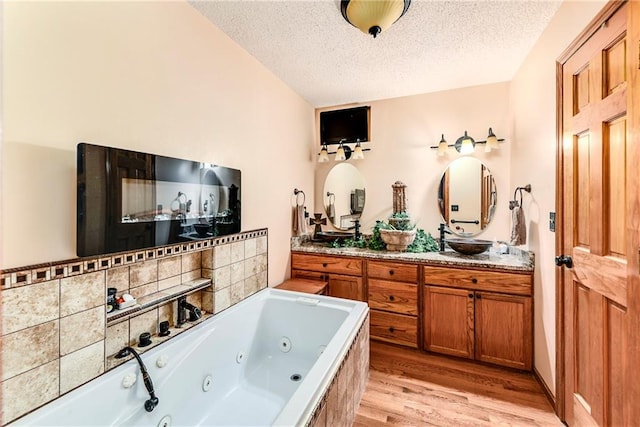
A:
(55, 332)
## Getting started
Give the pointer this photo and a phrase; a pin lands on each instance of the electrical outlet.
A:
(552, 222)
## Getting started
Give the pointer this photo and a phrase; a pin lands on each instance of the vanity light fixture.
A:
(358, 154)
(442, 146)
(323, 156)
(492, 142)
(373, 17)
(466, 144)
(344, 151)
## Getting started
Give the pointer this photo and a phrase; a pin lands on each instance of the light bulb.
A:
(323, 157)
(442, 147)
(340, 154)
(492, 141)
(467, 144)
(358, 154)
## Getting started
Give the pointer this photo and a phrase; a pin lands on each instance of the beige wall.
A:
(533, 109)
(146, 76)
(157, 77)
(403, 129)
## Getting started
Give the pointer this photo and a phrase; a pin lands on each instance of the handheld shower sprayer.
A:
(152, 402)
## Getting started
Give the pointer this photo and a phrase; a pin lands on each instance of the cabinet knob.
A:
(470, 295)
(390, 272)
(479, 296)
(324, 265)
(474, 280)
(391, 329)
(392, 298)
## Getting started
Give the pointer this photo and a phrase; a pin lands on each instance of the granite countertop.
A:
(516, 260)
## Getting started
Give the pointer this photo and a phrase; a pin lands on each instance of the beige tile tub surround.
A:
(60, 310)
(340, 401)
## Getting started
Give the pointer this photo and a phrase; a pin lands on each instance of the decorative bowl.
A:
(469, 246)
(397, 240)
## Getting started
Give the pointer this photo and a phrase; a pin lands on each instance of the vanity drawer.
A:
(395, 328)
(326, 264)
(393, 271)
(392, 296)
(503, 282)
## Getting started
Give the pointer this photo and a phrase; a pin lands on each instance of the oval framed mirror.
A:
(343, 195)
(467, 196)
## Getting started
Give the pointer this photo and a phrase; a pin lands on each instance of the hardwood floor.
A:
(409, 388)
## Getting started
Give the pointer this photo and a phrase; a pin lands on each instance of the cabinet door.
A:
(503, 329)
(348, 287)
(448, 321)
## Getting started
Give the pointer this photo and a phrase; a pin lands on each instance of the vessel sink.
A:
(330, 236)
(469, 246)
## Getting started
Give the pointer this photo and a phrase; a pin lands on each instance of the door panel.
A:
(615, 142)
(503, 329)
(449, 321)
(594, 206)
(348, 287)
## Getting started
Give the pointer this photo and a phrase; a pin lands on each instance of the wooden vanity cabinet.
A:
(344, 275)
(478, 314)
(393, 300)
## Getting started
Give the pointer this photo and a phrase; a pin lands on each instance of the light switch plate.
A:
(552, 222)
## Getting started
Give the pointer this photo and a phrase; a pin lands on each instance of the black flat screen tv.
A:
(348, 125)
(129, 200)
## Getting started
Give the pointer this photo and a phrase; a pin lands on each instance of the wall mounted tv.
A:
(129, 200)
(348, 125)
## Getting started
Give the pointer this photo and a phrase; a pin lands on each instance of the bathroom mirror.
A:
(467, 196)
(343, 195)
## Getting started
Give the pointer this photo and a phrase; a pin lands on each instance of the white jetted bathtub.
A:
(265, 361)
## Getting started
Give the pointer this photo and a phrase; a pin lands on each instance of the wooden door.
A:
(448, 321)
(594, 166)
(503, 329)
(349, 287)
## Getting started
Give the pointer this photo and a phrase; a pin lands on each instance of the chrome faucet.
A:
(443, 231)
(152, 402)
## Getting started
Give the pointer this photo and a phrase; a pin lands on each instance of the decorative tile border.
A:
(21, 276)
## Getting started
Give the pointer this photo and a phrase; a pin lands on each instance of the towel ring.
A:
(329, 195)
(514, 203)
(304, 197)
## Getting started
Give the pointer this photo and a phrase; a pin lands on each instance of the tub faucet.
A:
(443, 231)
(152, 402)
(183, 308)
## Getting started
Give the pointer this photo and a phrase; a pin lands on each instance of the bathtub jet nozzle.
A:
(152, 402)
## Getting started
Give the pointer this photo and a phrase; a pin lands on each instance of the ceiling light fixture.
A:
(466, 144)
(373, 16)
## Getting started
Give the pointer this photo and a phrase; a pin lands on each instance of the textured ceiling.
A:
(436, 45)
